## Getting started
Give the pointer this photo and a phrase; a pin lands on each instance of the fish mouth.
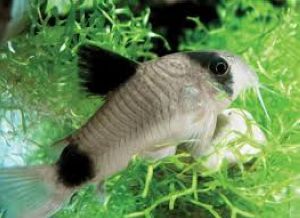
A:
(250, 82)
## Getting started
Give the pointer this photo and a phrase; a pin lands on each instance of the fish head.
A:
(228, 74)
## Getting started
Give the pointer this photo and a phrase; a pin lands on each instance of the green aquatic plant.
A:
(39, 74)
(39, 85)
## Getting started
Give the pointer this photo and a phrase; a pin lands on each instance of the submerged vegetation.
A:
(40, 102)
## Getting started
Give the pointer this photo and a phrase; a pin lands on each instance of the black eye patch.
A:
(220, 71)
(218, 66)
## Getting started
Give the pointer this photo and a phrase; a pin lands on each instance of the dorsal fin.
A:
(101, 70)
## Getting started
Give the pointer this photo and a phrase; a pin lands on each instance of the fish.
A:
(14, 18)
(170, 99)
(4, 16)
(170, 19)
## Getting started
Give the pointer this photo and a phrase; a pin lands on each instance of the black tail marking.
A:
(75, 167)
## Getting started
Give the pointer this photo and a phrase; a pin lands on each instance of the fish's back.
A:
(143, 109)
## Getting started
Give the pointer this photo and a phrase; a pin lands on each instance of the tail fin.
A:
(31, 192)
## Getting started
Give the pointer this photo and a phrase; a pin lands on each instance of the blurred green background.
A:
(41, 102)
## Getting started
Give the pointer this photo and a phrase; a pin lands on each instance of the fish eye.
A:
(219, 66)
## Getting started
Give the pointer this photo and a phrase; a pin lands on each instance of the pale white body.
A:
(237, 138)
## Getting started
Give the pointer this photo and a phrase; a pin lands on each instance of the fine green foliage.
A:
(40, 75)
(39, 82)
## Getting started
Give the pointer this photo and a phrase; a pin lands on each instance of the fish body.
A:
(4, 16)
(13, 17)
(162, 103)
(237, 139)
(172, 99)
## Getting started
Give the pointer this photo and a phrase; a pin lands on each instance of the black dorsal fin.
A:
(101, 70)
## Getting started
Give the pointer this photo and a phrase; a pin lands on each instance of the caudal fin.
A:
(31, 192)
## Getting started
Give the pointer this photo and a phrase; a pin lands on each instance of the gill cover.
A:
(101, 70)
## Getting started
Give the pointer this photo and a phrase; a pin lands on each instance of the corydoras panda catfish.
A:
(13, 17)
(171, 99)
